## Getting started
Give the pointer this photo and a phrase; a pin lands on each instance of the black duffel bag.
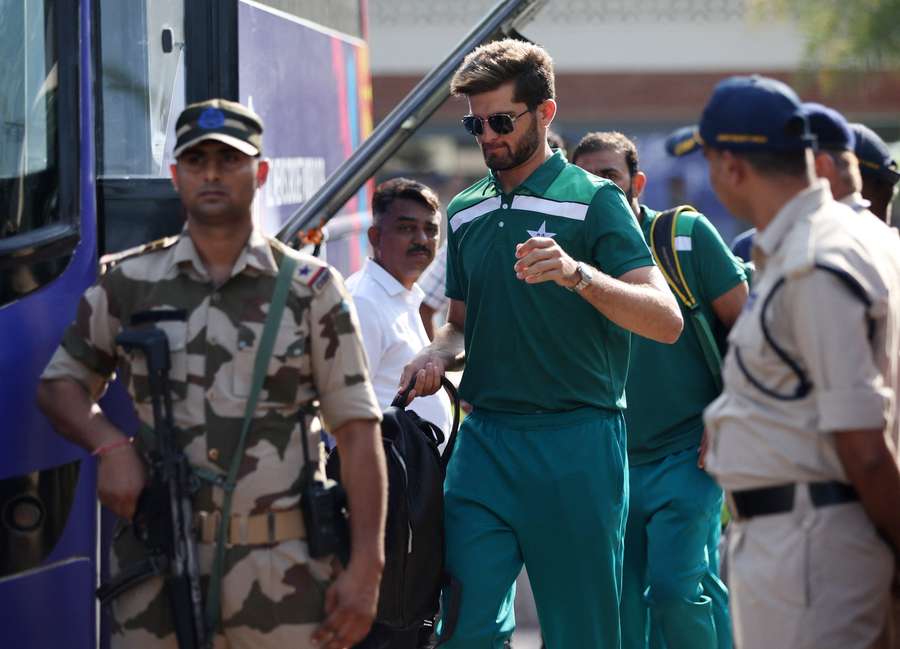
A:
(414, 533)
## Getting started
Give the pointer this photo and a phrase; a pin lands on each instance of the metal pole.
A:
(503, 20)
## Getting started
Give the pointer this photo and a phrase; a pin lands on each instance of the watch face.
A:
(585, 276)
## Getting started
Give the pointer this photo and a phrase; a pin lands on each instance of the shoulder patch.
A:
(110, 260)
(311, 271)
(314, 277)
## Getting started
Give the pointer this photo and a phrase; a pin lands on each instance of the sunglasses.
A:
(500, 123)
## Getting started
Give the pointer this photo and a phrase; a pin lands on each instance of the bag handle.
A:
(400, 402)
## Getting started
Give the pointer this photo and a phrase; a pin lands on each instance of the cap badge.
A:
(211, 118)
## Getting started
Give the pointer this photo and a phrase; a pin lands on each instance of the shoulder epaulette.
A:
(114, 258)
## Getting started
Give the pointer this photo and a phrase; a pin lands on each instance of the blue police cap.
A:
(830, 128)
(874, 157)
(219, 119)
(748, 114)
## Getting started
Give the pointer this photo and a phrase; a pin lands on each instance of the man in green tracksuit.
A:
(671, 594)
(547, 273)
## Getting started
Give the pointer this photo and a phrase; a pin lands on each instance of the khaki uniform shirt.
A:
(757, 440)
(317, 355)
(856, 202)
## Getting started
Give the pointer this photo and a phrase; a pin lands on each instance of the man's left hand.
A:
(350, 605)
(540, 259)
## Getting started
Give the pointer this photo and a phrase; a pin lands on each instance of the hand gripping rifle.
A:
(164, 517)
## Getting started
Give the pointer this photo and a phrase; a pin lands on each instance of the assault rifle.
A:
(164, 517)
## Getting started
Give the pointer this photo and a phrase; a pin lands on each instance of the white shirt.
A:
(433, 281)
(392, 333)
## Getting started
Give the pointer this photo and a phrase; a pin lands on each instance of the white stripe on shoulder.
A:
(576, 211)
(471, 213)
(683, 243)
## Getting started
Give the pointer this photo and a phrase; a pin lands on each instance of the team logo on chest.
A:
(541, 232)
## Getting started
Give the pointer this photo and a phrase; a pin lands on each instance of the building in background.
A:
(639, 66)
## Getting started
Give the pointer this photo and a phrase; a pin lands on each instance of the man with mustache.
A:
(547, 273)
(403, 236)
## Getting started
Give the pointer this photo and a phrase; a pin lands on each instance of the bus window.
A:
(340, 15)
(142, 85)
(30, 220)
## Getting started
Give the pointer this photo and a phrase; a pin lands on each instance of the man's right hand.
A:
(120, 479)
(427, 368)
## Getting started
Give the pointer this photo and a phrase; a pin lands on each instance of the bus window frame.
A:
(59, 238)
(210, 70)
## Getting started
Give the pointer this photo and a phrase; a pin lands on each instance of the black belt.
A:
(780, 499)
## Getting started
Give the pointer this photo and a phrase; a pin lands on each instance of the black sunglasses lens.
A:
(473, 125)
(501, 124)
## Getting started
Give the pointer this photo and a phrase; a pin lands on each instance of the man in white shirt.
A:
(435, 300)
(403, 235)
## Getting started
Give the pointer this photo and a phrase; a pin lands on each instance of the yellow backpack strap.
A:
(663, 232)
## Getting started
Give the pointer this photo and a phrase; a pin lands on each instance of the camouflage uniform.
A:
(272, 595)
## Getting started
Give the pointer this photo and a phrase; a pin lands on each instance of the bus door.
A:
(47, 257)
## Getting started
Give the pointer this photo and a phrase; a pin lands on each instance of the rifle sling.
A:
(260, 366)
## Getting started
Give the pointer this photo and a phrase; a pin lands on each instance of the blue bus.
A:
(89, 93)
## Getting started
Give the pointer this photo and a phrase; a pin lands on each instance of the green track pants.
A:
(672, 597)
(549, 491)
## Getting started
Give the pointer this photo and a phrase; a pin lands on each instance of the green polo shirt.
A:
(538, 347)
(670, 385)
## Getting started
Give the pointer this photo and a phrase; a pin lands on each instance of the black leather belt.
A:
(780, 499)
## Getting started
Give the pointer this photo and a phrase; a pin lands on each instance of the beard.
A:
(511, 156)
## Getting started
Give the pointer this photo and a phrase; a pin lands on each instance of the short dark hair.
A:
(390, 190)
(609, 141)
(490, 66)
(777, 163)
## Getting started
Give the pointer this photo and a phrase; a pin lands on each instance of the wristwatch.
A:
(585, 273)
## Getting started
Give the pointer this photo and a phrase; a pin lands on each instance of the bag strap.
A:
(260, 366)
(663, 234)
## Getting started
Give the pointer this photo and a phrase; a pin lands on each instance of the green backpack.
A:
(670, 236)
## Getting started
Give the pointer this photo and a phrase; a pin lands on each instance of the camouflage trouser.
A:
(272, 597)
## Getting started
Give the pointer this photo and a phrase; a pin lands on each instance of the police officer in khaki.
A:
(801, 436)
(221, 270)
(835, 158)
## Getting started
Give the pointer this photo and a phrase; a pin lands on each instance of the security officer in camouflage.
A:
(222, 271)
